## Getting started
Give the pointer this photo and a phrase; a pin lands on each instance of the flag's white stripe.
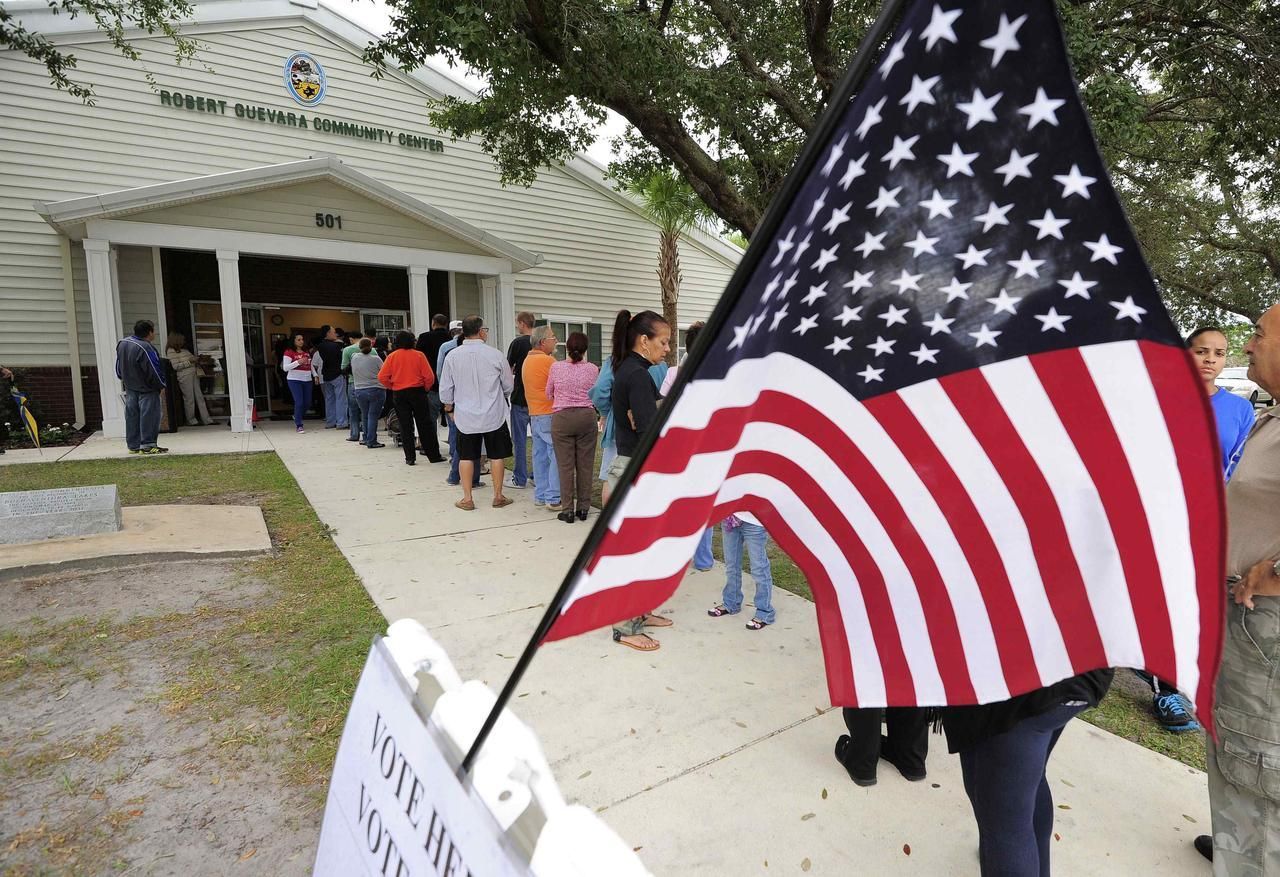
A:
(1144, 435)
(1027, 404)
(668, 556)
(971, 465)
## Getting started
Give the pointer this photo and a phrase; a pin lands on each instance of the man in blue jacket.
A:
(138, 367)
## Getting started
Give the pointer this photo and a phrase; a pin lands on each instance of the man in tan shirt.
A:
(1244, 763)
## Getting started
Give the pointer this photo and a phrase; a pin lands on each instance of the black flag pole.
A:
(845, 90)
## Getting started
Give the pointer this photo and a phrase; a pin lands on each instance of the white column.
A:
(506, 309)
(115, 284)
(419, 301)
(162, 320)
(489, 311)
(104, 306)
(233, 336)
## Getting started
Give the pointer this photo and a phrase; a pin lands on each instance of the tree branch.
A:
(817, 21)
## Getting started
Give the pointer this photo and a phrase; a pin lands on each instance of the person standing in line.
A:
(703, 557)
(298, 375)
(474, 389)
(454, 478)
(187, 368)
(905, 747)
(138, 367)
(517, 351)
(738, 529)
(332, 384)
(537, 365)
(430, 343)
(646, 339)
(5, 406)
(353, 408)
(407, 374)
(367, 390)
(573, 426)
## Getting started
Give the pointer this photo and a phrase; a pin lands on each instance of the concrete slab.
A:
(169, 532)
(191, 440)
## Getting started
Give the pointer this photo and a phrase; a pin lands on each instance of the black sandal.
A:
(720, 612)
(756, 624)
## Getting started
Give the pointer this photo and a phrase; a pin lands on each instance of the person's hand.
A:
(1260, 581)
(5, 373)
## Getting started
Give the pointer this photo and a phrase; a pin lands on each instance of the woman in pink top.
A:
(573, 426)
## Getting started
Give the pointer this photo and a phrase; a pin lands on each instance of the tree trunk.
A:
(669, 279)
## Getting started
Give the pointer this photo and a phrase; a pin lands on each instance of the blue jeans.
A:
(755, 537)
(301, 391)
(354, 416)
(369, 407)
(1004, 779)
(519, 432)
(546, 475)
(703, 558)
(141, 419)
(335, 401)
(454, 477)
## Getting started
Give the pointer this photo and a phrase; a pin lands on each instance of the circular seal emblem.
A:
(304, 79)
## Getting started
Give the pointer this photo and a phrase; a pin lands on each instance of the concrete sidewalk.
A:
(712, 755)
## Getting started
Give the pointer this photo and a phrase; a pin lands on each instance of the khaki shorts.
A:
(616, 468)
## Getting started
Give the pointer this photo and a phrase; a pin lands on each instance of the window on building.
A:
(562, 329)
(382, 322)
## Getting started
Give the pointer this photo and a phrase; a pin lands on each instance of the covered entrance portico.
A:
(317, 210)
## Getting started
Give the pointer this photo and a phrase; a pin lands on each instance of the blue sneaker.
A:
(1174, 713)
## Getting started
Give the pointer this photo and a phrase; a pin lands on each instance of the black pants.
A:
(412, 408)
(907, 742)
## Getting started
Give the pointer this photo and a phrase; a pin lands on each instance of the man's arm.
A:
(446, 382)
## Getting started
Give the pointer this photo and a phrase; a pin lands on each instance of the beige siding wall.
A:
(137, 288)
(599, 254)
(466, 293)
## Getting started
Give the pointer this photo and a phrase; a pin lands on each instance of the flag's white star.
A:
(1074, 183)
(940, 27)
(1025, 266)
(973, 256)
(895, 55)
(885, 200)
(994, 216)
(894, 316)
(870, 374)
(958, 161)
(1128, 308)
(901, 151)
(955, 289)
(755, 324)
(1053, 320)
(939, 206)
(980, 109)
(1103, 249)
(1042, 109)
(790, 282)
(1004, 39)
(859, 281)
(770, 288)
(922, 244)
(784, 244)
(817, 206)
(906, 281)
(870, 243)
(806, 323)
(881, 346)
(939, 323)
(801, 247)
(740, 334)
(837, 150)
(1050, 226)
(825, 258)
(839, 216)
(1004, 302)
(872, 118)
(778, 316)
(1077, 285)
(849, 315)
(924, 354)
(854, 170)
(984, 336)
(921, 92)
(815, 293)
(838, 344)
(1018, 165)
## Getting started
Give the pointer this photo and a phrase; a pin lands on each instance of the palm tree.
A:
(674, 208)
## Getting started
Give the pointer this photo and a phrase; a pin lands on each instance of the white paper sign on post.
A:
(396, 807)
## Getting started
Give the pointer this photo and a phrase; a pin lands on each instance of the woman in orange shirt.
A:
(408, 375)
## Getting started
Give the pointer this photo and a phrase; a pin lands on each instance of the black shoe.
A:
(411, 462)
(912, 775)
(1204, 846)
(376, 445)
(350, 439)
(436, 460)
(842, 746)
(566, 516)
(582, 514)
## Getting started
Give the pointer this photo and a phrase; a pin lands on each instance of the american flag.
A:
(951, 393)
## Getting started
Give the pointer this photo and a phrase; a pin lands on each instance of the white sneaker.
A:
(511, 482)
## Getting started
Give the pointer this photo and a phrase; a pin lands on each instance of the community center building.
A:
(272, 186)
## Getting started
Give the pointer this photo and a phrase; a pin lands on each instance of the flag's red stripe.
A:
(1017, 660)
(1063, 583)
(1075, 397)
(606, 608)
(1189, 419)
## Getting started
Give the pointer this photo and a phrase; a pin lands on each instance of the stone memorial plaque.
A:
(32, 515)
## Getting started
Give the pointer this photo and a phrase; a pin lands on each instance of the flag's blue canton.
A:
(959, 216)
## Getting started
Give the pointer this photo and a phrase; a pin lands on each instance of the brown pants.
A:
(573, 435)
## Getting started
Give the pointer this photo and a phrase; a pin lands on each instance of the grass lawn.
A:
(314, 626)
